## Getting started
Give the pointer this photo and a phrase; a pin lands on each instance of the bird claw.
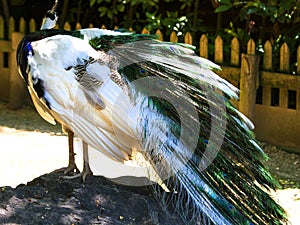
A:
(71, 169)
(83, 175)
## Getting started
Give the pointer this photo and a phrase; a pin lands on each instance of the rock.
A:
(50, 199)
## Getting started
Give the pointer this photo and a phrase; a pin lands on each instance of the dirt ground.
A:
(32, 191)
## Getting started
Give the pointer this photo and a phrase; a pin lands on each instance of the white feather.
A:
(91, 33)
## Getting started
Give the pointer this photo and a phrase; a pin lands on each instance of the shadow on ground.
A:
(49, 199)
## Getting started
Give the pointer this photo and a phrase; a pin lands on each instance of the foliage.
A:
(268, 19)
(276, 10)
(266, 15)
(138, 14)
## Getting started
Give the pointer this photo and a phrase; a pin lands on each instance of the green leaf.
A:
(102, 9)
(121, 8)
(183, 6)
(168, 14)
(92, 2)
(134, 2)
(102, 14)
(109, 14)
(252, 10)
(223, 8)
(183, 18)
(243, 13)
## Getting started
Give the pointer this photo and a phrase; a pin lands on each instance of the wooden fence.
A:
(277, 109)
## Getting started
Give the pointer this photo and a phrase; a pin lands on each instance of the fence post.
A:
(17, 89)
(249, 82)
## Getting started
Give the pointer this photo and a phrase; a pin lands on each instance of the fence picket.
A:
(1, 27)
(218, 49)
(235, 52)
(11, 27)
(67, 26)
(188, 39)
(32, 25)
(267, 56)
(159, 34)
(251, 47)
(173, 37)
(284, 58)
(145, 31)
(204, 46)
(78, 26)
(22, 25)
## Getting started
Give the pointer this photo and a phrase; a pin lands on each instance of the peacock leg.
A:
(86, 166)
(71, 168)
(86, 171)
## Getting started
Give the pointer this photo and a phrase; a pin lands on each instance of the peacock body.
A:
(124, 93)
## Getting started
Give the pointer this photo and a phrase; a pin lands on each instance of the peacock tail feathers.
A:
(224, 179)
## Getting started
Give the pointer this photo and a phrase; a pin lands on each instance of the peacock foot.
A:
(71, 170)
(83, 175)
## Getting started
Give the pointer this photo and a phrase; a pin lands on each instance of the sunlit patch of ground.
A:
(289, 199)
(26, 155)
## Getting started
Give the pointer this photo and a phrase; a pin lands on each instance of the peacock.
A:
(129, 95)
